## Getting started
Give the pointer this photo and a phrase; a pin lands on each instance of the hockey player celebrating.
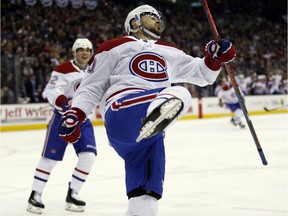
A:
(227, 97)
(131, 80)
(64, 81)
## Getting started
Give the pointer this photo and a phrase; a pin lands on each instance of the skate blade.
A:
(74, 208)
(34, 209)
(168, 111)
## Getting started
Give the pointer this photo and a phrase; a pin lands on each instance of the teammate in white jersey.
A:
(64, 81)
(131, 79)
(228, 97)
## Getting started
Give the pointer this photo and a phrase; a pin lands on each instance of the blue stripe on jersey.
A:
(78, 178)
(40, 179)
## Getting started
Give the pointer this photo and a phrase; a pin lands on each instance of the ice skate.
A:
(233, 122)
(35, 204)
(241, 125)
(160, 118)
(74, 203)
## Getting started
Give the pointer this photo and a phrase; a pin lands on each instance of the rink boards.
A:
(36, 116)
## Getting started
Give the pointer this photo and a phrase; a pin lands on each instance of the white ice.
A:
(212, 169)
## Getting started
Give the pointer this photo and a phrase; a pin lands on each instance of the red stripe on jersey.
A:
(80, 171)
(123, 90)
(133, 101)
(108, 45)
(66, 67)
(165, 44)
(42, 171)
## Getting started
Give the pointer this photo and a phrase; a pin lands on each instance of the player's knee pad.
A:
(182, 93)
(144, 205)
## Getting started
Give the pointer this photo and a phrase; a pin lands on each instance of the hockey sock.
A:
(42, 173)
(142, 206)
(82, 169)
(237, 116)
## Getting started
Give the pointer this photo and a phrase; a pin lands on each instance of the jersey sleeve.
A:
(96, 83)
(193, 70)
(56, 86)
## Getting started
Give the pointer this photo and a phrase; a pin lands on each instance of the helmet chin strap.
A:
(149, 32)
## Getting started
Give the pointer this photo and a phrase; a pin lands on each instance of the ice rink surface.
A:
(212, 169)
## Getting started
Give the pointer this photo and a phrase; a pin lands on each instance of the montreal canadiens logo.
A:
(149, 66)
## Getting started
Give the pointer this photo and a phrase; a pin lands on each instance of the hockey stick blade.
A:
(268, 110)
(277, 108)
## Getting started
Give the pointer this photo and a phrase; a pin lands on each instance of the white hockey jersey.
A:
(129, 64)
(228, 95)
(64, 80)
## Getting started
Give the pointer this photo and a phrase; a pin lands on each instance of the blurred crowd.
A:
(34, 39)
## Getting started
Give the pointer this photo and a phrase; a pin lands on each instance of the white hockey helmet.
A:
(82, 43)
(136, 14)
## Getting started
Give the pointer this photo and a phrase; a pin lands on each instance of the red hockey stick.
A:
(234, 84)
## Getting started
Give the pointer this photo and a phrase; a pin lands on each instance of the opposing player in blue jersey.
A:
(131, 79)
(64, 81)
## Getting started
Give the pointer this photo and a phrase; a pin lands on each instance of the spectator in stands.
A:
(260, 86)
(244, 83)
(7, 95)
(253, 34)
(31, 87)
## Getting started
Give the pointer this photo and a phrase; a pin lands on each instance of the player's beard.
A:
(155, 30)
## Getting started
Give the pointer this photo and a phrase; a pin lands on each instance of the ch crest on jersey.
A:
(149, 66)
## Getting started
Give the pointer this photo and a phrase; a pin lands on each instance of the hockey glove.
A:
(69, 125)
(63, 103)
(223, 51)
